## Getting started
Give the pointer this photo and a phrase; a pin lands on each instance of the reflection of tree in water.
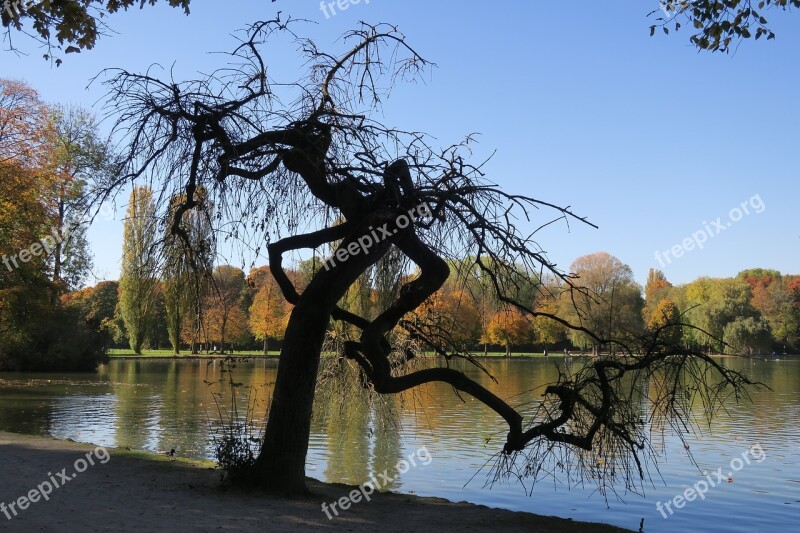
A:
(387, 449)
(136, 407)
(170, 403)
(235, 392)
(348, 443)
(183, 394)
(362, 429)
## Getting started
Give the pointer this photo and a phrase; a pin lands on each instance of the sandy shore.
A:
(124, 491)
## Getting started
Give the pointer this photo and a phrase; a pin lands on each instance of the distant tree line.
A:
(757, 312)
(170, 295)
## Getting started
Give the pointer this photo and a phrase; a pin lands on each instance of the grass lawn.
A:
(523, 354)
(154, 354)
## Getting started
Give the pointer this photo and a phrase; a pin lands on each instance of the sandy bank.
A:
(124, 491)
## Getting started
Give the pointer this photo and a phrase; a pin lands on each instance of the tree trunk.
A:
(281, 465)
(508, 350)
(57, 256)
(266, 345)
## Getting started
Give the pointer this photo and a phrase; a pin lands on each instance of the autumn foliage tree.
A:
(791, 311)
(509, 327)
(455, 317)
(773, 297)
(224, 319)
(37, 332)
(609, 303)
(269, 311)
(665, 321)
(76, 157)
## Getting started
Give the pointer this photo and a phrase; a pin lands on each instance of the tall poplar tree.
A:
(138, 281)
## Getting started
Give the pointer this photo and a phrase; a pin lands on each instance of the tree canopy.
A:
(68, 25)
(41, 246)
(718, 25)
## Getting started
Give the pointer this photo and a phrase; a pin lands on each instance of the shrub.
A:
(53, 339)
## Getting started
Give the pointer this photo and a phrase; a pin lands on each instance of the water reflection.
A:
(159, 405)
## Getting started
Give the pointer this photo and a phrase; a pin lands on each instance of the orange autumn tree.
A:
(663, 320)
(225, 321)
(656, 289)
(269, 312)
(37, 332)
(23, 217)
(60, 151)
(509, 327)
(23, 122)
(456, 316)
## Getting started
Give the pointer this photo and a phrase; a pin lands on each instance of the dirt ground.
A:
(123, 491)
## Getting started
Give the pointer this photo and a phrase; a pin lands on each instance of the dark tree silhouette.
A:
(64, 25)
(719, 25)
(284, 160)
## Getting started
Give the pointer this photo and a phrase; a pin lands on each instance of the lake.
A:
(157, 405)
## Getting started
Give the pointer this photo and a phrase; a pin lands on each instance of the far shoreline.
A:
(276, 355)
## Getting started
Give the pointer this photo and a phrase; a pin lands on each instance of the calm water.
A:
(158, 405)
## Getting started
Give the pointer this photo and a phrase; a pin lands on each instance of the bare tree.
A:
(283, 160)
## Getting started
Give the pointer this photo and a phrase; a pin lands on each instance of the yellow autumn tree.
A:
(224, 320)
(665, 314)
(509, 327)
(457, 314)
(269, 312)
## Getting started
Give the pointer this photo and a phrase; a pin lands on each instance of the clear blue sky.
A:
(647, 137)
